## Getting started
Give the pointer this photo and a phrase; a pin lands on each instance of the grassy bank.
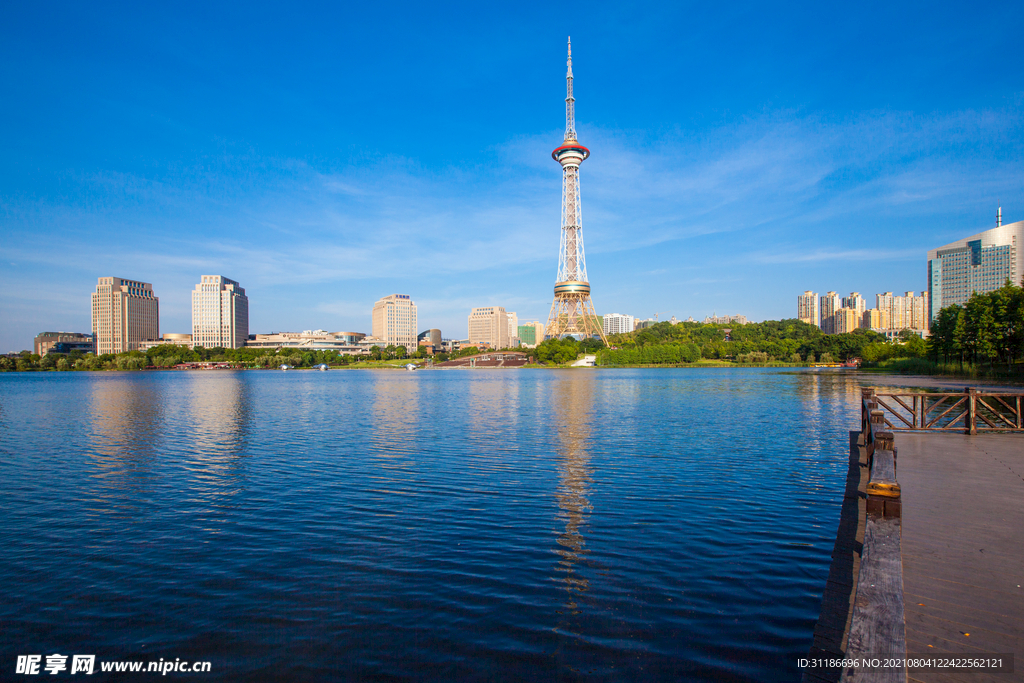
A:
(924, 366)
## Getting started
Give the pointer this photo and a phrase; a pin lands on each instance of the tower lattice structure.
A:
(572, 311)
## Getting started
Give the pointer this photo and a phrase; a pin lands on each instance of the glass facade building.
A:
(979, 263)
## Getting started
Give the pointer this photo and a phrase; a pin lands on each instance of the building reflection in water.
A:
(126, 414)
(194, 426)
(571, 404)
(125, 417)
(218, 412)
(394, 433)
(491, 407)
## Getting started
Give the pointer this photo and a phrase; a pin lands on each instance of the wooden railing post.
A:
(876, 424)
(885, 440)
(972, 408)
(866, 396)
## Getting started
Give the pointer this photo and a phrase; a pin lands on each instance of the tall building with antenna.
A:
(979, 263)
(572, 311)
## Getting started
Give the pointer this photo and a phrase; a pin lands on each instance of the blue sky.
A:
(325, 155)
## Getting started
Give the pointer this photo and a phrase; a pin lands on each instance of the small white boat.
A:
(323, 367)
(285, 366)
(410, 366)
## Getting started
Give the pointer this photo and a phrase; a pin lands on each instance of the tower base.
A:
(572, 312)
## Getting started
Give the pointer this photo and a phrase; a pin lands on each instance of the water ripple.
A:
(483, 525)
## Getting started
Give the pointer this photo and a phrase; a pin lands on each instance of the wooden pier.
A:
(929, 557)
(963, 547)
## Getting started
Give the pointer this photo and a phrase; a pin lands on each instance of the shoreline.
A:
(872, 377)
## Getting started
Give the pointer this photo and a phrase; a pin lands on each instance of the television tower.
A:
(572, 311)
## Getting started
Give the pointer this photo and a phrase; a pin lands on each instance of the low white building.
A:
(349, 343)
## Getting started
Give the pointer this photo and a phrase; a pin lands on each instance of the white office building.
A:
(489, 325)
(220, 313)
(394, 321)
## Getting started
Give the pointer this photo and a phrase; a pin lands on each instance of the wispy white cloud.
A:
(836, 255)
(393, 218)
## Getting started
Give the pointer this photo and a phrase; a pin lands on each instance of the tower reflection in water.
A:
(572, 402)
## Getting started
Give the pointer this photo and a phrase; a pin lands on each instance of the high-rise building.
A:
(904, 312)
(856, 302)
(846, 320)
(887, 302)
(489, 325)
(875, 319)
(531, 334)
(220, 313)
(979, 263)
(527, 335)
(572, 310)
(617, 323)
(915, 310)
(807, 308)
(829, 304)
(513, 329)
(394, 321)
(124, 313)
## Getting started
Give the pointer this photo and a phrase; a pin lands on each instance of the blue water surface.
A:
(440, 525)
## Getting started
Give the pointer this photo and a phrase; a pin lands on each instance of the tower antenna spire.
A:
(570, 101)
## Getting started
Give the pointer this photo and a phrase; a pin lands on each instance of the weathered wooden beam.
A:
(878, 627)
(883, 491)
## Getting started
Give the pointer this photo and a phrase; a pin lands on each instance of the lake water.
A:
(440, 525)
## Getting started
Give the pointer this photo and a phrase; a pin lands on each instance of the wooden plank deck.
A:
(963, 548)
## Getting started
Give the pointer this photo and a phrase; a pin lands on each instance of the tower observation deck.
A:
(572, 311)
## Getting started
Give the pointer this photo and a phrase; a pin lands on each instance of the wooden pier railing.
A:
(970, 411)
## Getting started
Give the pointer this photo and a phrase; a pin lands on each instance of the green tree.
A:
(557, 351)
(915, 347)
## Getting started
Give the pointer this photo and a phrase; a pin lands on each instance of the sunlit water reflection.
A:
(439, 525)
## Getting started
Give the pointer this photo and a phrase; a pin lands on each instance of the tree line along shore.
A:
(983, 338)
